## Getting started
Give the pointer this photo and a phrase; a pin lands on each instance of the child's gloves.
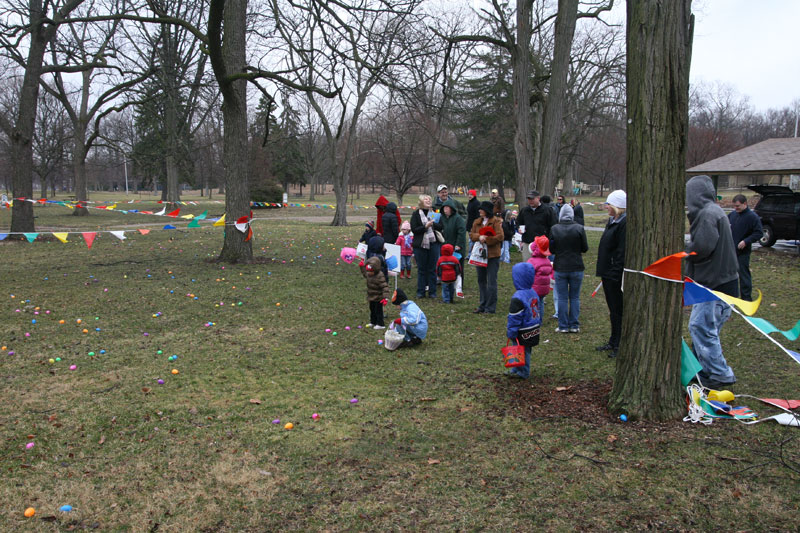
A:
(361, 264)
(398, 321)
(384, 301)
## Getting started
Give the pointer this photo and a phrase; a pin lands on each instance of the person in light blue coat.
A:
(412, 321)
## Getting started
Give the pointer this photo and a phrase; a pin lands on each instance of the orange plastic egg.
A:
(288, 426)
(29, 512)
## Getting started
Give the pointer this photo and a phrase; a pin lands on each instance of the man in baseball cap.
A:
(442, 196)
(537, 219)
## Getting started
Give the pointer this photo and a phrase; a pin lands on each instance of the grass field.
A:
(438, 440)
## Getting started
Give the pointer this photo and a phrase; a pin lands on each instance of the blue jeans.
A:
(524, 371)
(487, 285)
(505, 255)
(568, 287)
(426, 269)
(705, 324)
(405, 263)
(448, 291)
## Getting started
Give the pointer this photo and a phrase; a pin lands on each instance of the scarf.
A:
(429, 237)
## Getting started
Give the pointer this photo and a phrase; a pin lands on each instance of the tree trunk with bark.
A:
(228, 59)
(79, 170)
(521, 87)
(556, 95)
(647, 379)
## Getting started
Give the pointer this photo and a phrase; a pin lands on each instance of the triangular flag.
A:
(696, 294)
(144, 231)
(61, 236)
(220, 221)
(146, 212)
(112, 206)
(31, 236)
(188, 217)
(118, 234)
(173, 214)
(249, 234)
(765, 327)
(202, 216)
(89, 236)
(194, 224)
(3, 236)
(168, 226)
(689, 364)
(668, 267)
(241, 224)
(748, 308)
(160, 212)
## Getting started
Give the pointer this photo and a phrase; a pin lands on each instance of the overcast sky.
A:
(751, 45)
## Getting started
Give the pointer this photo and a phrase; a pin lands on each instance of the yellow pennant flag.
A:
(187, 216)
(748, 308)
(61, 236)
(112, 206)
(221, 221)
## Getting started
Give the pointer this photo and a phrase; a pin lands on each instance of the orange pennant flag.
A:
(249, 234)
(668, 267)
(89, 236)
(144, 231)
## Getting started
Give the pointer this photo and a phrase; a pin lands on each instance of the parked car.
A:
(779, 210)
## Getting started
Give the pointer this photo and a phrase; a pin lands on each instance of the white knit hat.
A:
(618, 198)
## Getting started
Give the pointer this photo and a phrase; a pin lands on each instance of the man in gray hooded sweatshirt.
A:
(715, 267)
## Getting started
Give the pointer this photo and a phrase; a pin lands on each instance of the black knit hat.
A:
(399, 296)
(487, 207)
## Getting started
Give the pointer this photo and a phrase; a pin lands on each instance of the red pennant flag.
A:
(42, 200)
(174, 213)
(249, 234)
(89, 236)
(160, 202)
(242, 220)
(668, 267)
(144, 231)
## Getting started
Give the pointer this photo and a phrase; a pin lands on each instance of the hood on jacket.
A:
(450, 202)
(699, 193)
(523, 275)
(447, 249)
(375, 245)
(382, 202)
(373, 264)
(540, 247)
(566, 214)
(391, 207)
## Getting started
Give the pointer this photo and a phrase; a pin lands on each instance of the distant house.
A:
(771, 162)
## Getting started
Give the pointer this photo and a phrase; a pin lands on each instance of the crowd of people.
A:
(443, 236)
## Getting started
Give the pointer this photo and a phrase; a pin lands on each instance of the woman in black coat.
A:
(391, 224)
(610, 263)
(426, 247)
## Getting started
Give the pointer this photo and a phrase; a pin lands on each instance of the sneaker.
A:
(562, 330)
(604, 347)
(378, 327)
(717, 385)
(513, 374)
(574, 330)
(554, 316)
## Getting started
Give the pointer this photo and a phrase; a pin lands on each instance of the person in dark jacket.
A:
(369, 232)
(377, 290)
(523, 313)
(391, 223)
(488, 229)
(426, 247)
(577, 209)
(472, 207)
(375, 247)
(537, 220)
(714, 266)
(568, 242)
(509, 230)
(610, 263)
(380, 206)
(455, 232)
(745, 229)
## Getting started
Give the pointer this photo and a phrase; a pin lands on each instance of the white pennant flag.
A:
(161, 212)
(118, 234)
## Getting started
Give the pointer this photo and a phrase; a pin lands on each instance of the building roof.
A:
(773, 156)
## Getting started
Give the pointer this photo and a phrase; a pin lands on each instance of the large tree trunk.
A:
(79, 169)
(647, 380)
(234, 112)
(523, 136)
(554, 106)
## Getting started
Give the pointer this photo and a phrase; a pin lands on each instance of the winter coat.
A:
(375, 248)
(413, 319)
(494, 242)
(472, 212)
(509, 229)
(544, 271)
(404, 242)
(536, 221)
(611, 250)
(454, 229)
(391, 223)
(380, 205)
(568, 242)
(578, 218)
(377, 288)
(448, 268)
(499, 207)
(418, 228)
(523, 312)
(710, 237)
(745, 226)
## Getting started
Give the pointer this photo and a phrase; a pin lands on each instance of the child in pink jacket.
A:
(406, 251)
(540, 250)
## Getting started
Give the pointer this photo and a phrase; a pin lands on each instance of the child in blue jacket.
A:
(523, 315)
(412, 321)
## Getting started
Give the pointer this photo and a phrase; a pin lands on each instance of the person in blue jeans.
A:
(426, 248)
(568, 242)
(523, 314)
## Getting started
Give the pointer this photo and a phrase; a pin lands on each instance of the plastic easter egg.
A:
(624, 418)
(85, 330)
(315, 416)
(91, 354)
(60, 321)
(65, 508)
(327, 330)
(51, 360)
(73, 367)
(159, 352)
(175, 371)
(276, 421)
(30, 445)
(160, 382)
(354, 400)
(58, 359)
(289, 425)
(102, 351)
(29, 512)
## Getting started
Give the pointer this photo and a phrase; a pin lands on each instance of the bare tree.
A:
(647, 379)
(50, 142)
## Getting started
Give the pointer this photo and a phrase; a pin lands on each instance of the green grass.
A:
(438, 440)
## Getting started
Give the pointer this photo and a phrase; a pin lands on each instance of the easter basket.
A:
(513, 355)
(392, 339)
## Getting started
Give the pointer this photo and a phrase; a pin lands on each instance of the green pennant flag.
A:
(194, 224)
(31, 236)
(689, 364)
(202, 216)
(766, 328)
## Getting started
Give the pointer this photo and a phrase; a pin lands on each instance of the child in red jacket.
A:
(448, 268)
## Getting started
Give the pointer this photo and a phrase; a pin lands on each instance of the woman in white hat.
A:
(610, 262)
